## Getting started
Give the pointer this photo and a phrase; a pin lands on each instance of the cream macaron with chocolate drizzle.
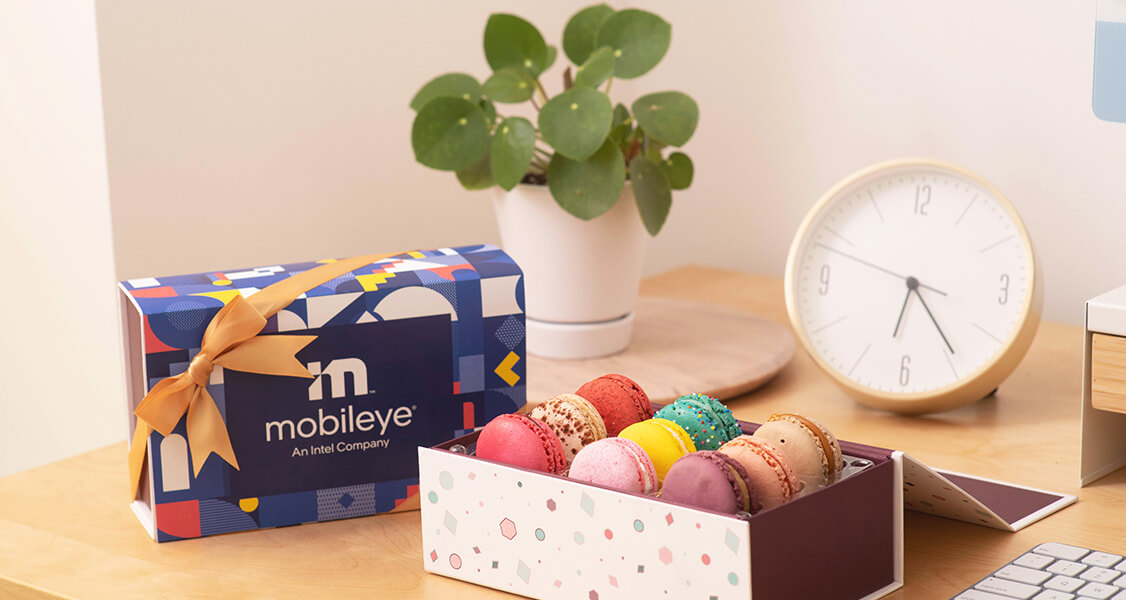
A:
(812, 449)
(573, 419)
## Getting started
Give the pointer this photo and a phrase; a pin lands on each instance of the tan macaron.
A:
(813, 450)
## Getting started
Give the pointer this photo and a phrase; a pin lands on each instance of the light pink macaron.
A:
(617, 463)
(771, 472)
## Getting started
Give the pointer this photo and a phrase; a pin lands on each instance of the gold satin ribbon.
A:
(230, 341)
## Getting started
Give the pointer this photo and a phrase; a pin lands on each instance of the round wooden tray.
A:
(679, 347)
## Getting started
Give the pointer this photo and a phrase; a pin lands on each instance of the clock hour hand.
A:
(877, 267)
(929, 313)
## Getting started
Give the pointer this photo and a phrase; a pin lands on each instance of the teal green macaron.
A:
(707, 421)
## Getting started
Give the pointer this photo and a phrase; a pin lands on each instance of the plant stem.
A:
(609, 82)
(533, 99)
(539, 87)
(545, 153)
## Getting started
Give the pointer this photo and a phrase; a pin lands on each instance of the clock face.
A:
(911, 278)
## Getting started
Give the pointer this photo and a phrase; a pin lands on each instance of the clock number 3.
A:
(904, 370)
(922, 199)
(823, 289)
(1004, 297)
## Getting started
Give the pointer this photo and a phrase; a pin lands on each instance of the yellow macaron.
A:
(663, 440)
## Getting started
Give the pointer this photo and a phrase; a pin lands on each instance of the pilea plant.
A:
(582, 146)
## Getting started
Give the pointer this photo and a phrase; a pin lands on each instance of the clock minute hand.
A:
(899, 319)
(931, 315)
(876, 267)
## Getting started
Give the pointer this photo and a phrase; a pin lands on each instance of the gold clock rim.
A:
(974, 386)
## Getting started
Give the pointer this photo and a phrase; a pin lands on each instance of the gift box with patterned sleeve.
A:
(248, 415)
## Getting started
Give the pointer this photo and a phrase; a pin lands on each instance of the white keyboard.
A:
(1055, 572)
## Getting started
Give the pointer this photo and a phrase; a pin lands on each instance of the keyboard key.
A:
(1098, 591)
(1099, 575)
(1034, 561)
(977, 595)
(1066, 567)
(1121, 566)
(1121, 596)
(1102, 559)
(1063, 551)
(1064, 584)
(1053, 595)
(1121, 582)
(1026, 575)
(1012, 589)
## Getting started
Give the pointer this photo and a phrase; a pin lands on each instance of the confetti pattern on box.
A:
(550, 537)
(924, 490)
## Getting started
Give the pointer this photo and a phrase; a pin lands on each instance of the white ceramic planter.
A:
(581, 278)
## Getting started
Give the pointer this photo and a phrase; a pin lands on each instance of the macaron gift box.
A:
(547, 536)
(410, 350)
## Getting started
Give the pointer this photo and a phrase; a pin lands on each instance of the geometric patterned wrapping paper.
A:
(411, 350)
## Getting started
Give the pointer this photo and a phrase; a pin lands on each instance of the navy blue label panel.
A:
(381, 390)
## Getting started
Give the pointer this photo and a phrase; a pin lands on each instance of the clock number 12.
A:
(922, 199)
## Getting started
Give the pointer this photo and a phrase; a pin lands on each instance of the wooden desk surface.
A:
(66, 530)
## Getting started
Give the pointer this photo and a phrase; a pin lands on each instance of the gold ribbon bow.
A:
(230, 341)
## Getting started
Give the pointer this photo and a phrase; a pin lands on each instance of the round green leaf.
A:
(576, 122)
(678, 168)
(513, 42)
(512, 149)
(476, 176)
(511, 84)
(450, 84)
(619, 132)
(639, 38)
(579, 34)
(449, 134)
(652, 191)
(489, 110)
(552, 53)
(596, 69)
(588, 188)
(621, 114)
(669, 117)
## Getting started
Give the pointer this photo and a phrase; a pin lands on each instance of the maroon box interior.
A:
(837, 543)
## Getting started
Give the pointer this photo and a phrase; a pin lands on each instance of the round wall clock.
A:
(913, 284)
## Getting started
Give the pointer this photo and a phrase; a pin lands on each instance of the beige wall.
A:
(253, 131)
(60, 365)
(262, 131)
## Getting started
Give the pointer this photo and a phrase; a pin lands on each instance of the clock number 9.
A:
(823, 289)
(904, 370)
(1004, 297)
(922, 199)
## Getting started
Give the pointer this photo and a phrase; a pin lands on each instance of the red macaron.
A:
(619, 400)
(521, 441)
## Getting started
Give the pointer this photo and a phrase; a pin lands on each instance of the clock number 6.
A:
(1004, 297)
(824, 287)
(905, 370)
(922, 199)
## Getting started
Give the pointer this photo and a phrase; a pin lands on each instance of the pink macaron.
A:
(521, 441)
(617, 463)
(769, 470)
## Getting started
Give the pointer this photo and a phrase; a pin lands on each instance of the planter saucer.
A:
(679, 347)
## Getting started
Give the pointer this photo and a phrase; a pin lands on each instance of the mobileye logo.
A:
(335, 373)
(349, 420)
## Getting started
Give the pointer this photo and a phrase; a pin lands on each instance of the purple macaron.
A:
(713, 481)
